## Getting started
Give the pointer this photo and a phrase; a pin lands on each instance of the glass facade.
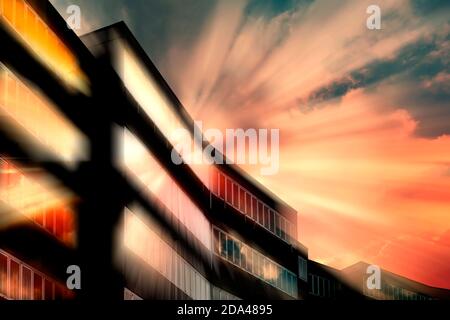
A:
(33, 32)
(142, 238)
(322, 287)
(31, 193)
(245, 202)
(19, 281)
(391, 292)
(32, 115)
(155, 103)
(144, 168)
(235, 251)
(302, 268)
(220, 294)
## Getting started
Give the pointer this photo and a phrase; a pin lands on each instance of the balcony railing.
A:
(245, 202)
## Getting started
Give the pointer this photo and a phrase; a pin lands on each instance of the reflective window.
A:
(266, 217)
(14, 281)
(40, 198)
(153, 100)
(24, 282)
(43, 42)
(249, 205)
(220, 294)
(38, 119)
(236, 195)
(254, 262)
(222, 186)
(229, 195)
(148, 174)
(3, 274)
(48, 289)
(322, 287)
(242, 200)
(302, 268)
(37, 287)
(254, 209)
(141, 236)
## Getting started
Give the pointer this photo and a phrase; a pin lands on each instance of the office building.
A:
(87, 178)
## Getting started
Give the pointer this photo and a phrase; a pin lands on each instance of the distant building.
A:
(393, 286)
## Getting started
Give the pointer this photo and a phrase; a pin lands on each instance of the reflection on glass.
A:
(244, 201)
(220, 294)
(154, 102)
(142, 238)
(33, 194)
(18, 285)
(30, 114)
(247, 258)
(140, 164)
(29, 28)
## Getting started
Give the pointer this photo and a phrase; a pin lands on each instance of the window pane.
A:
(193, 284)
(254, 209)
(216, 241)
(14, 288)
(277, 225)
(229, 191)
(279, 276)
(248, 204)
(283, 228)
(248, 259)
(187, 279)
(273, 271)
(48, 290)
(223, 244)
(266, 217)
(37, 287)
(260, 213)
(181, 275)
(288, 283)
(3, 274)
(242, 199)
(214, 181)
(222, 186)
(272, 220)
(26, 283)
(285, 280)
(235, 195)
(59, 293)
(236, 251)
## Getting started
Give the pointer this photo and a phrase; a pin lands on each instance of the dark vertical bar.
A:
(101, 209)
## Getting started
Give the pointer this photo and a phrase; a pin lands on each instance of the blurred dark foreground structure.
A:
(86, 135)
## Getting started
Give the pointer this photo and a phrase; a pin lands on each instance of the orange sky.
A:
(366, 185)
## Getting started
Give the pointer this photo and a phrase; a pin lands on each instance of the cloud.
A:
(420, 69)
(425, 7)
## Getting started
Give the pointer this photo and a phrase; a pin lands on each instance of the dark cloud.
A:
(424, 7)
(413, 66)
(156, 24)
(271, 8)
(407, 58)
